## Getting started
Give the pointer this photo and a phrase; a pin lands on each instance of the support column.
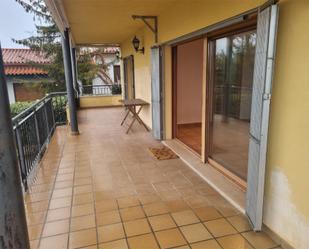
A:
(13, 224)
(66, 50)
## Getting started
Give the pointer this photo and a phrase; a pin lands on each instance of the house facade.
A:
(226, 81)
(109, 73)
(23, 77)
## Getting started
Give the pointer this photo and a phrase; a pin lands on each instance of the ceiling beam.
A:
(153, 28)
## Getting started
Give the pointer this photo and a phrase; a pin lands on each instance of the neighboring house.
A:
(110, 75)
(24, 79)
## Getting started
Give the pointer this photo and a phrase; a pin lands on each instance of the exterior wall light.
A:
(135, 43)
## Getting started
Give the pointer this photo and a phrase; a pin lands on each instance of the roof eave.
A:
(58, 13)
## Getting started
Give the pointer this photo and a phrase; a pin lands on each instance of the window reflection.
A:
(232, 81)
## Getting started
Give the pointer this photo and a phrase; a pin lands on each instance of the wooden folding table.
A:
(134, 106)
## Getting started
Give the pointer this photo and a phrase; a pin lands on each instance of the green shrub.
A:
(59, 107)
(18, 107)
(116, 89)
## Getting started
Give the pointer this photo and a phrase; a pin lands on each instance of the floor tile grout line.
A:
(147, 217)
(241, 234)
(72, 201)
(226, 218)
(214, 237)
(177, 226)
(122, 224)
(200, 222)
(180, 229)
(238, 232)
(170, 213)
(203, 223)
(94, 206)
(152, 231)
(53, 185)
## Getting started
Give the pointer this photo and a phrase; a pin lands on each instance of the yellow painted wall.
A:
(99, 101)
(187, 16)
(287, 187)
(142, 70)
(287, 184)
(184, 17)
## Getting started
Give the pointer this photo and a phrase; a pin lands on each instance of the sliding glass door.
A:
(232, 60)
(187, 95)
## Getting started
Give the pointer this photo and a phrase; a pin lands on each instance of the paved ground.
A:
(103, 189)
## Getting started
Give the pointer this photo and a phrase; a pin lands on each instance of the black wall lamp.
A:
(136, 43)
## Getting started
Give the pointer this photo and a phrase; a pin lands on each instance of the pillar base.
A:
(75, 133)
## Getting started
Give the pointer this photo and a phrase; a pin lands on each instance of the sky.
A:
(15, 23)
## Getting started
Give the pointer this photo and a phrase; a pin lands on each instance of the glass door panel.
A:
(232, 79)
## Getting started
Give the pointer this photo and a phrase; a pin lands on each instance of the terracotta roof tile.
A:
(23, 70)
(22, 56)
(18, 61)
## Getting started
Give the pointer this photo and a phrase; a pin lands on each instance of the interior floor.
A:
(191, 135)
(230, 139)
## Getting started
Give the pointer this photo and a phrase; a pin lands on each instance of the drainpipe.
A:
(66, 50)
(13, 224)
(74, 70)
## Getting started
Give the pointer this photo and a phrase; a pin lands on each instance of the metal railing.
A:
(103, 90)
(33, 129)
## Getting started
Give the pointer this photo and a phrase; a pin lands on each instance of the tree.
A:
(48, 41)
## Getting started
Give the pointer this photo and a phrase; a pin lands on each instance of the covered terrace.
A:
(99, 188)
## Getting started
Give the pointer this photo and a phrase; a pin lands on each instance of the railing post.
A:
(56, 115)
(46, 119)
(37, 132)
(69, 82)
(13, 224)
(52, 111)
(23, 166)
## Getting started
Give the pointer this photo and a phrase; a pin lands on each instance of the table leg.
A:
(142, 123)
(135, 116)
(125, 117)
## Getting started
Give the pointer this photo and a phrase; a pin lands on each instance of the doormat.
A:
(163, 153)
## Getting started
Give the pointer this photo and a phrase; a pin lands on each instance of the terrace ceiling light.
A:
(136, 43)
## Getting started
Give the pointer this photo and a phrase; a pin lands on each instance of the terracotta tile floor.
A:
(103, 190)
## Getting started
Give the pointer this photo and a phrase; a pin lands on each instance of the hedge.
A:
(18, 107)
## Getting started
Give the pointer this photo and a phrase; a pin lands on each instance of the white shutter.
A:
(156, 92)
(262, 81)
